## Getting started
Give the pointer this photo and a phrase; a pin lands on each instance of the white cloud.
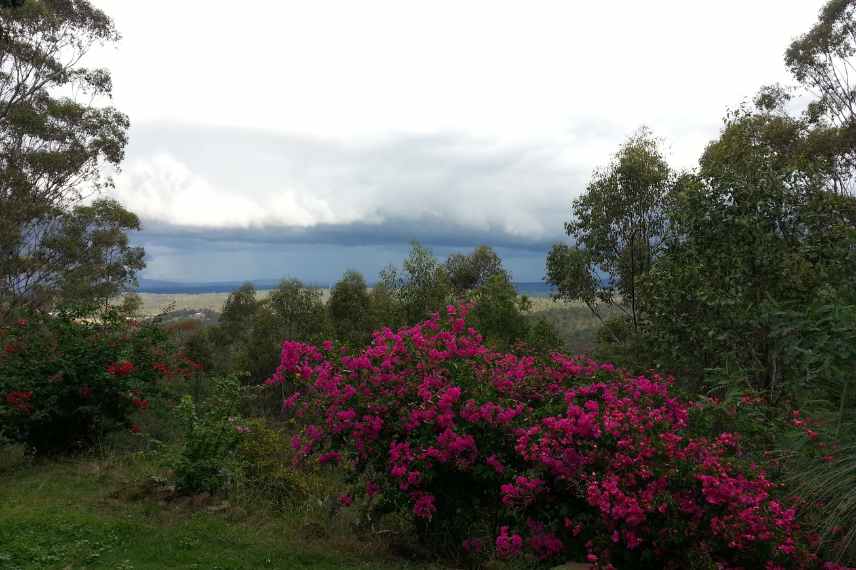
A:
(231, 178)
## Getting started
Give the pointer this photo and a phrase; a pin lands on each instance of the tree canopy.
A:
(58, 143)
(618, 227)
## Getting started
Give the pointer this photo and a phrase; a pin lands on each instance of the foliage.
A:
(831, 484)
(250, 330)
(470, 272)
(54, 141)
(208, 460)
(267, 463)
(64, 381)
(350, 309)
(822, 61)
(421, 288)
(543, 336)
(552, 456)
(239, 310)
(498, 312)
(756, 231)
(618, 227)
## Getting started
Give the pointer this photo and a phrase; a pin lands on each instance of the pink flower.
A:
(508, 545)
(494, 463)
(424, 507)
(329, 457)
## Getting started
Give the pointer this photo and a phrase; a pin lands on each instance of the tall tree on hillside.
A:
(822, 60)
(618, 227)
(55, 142)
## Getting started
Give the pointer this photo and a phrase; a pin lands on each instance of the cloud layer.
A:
(208, 194)
(231, 178)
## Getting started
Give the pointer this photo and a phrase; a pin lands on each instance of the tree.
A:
(350, 309)
(618, 226)
(499, 312)
(293, 311)
(822, 60)
(55, 142)
(420, 289)
(239, 310)
(469, 272)
(757, 231)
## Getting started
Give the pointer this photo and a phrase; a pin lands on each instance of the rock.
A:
(217, 508)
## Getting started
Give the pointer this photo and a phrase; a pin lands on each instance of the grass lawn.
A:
(90, 514)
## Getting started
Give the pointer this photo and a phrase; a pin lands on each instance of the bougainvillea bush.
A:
(551, 458)
(65, 381)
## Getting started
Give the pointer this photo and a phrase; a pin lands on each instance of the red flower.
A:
(135, 428)
(121, 368)
(20, 401)
(85, 392)
(22, 322)
(140, 404)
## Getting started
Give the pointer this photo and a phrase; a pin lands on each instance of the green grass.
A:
(574, 322)
(88, 514)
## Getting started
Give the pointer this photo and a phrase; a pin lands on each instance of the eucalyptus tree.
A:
(618, 228)
(468, 272)
(59, 140)
(823, 60)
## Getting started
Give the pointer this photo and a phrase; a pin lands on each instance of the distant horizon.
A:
(162, 286)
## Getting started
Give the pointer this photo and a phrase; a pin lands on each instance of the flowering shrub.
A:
(550, 457)
(65, 381)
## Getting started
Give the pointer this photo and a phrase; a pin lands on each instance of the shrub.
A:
(498, 312)
(66, 381)
(268, 465)
(550, 457)
(208, 460)
(543, 336)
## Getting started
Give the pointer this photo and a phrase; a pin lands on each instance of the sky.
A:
(304, 138)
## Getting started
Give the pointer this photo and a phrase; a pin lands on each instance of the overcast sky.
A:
(304, 138)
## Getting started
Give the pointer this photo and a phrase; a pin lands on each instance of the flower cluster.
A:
(121, 368)
(573, 458)
(20, 401)
(68, 380)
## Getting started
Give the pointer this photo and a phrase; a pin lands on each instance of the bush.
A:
(551, 457)
(65, 381)
(498, 312)
(208, 460)
(223, 451)
(268, 464)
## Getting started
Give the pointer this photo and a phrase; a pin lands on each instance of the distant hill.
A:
(533, 289)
